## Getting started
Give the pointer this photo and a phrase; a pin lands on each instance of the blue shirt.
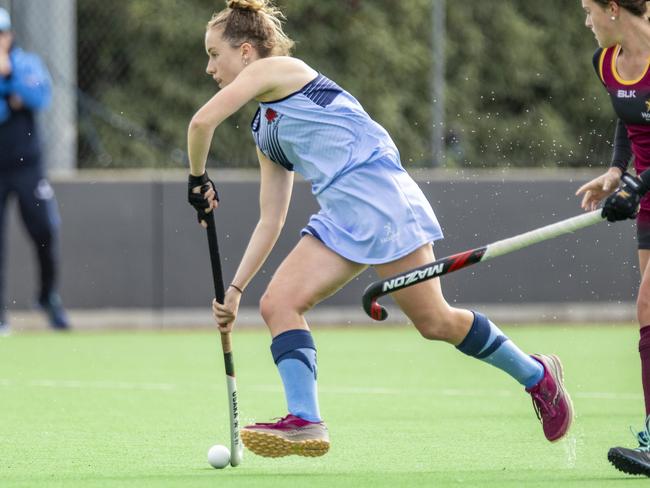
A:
(29, 80)
(321, 132)
(371, 210)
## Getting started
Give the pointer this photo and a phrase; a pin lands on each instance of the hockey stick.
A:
(236, 446)
(461, 260)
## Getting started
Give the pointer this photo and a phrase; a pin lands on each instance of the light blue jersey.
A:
(371, 209)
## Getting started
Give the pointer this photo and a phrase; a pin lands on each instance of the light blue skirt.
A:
(374, 214)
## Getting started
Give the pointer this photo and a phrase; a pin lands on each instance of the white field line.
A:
(78, 384)
(327, 390)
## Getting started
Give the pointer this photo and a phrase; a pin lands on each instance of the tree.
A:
(520, 87)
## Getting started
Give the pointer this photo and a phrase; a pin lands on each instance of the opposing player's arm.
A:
(249, 84)
(275, 194)
(597, 61)
(622, 151)
(600, 187)
(624, 202)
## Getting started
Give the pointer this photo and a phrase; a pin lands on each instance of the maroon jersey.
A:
(631, 101)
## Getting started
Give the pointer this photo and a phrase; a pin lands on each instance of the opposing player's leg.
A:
(41, 217)
(643, 316)
(309, 274)
(475, 335)
(637, 460)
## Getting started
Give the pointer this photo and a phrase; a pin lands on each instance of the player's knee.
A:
(42, 233)
(432, 322)
(273, 304)
(267, 306)
(434, 328)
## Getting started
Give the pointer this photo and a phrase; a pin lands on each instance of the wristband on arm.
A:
(241, 292)
(197, 200)
(194, 181)
(637, 185)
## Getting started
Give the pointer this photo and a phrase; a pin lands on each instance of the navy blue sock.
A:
(486, 342)
(294, 353)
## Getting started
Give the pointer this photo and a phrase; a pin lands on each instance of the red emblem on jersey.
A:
(270, 114)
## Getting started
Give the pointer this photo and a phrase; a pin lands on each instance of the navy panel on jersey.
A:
(322, 91)
(255, 123)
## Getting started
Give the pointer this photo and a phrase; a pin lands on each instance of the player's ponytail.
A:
(257, 22)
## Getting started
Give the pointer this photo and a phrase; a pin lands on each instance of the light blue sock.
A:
(486, 342)
(294, 353)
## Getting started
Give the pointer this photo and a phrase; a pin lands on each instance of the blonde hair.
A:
(257, 22)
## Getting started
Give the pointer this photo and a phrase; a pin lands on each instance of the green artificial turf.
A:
(142, 409)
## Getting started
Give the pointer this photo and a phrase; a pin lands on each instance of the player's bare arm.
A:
(248, 85)
(275, 194)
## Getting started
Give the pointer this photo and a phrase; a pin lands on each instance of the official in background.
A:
(25, 88)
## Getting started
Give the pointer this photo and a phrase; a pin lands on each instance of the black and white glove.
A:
(198, 200)
(624, 202)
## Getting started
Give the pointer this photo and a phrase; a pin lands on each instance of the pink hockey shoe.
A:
(289, 435)
(551, 400)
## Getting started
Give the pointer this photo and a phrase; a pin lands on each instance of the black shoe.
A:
(633, 461)
(630, 461)
(53, 307)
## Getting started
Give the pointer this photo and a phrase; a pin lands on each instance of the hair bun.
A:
(253, 5)
(257, 22)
